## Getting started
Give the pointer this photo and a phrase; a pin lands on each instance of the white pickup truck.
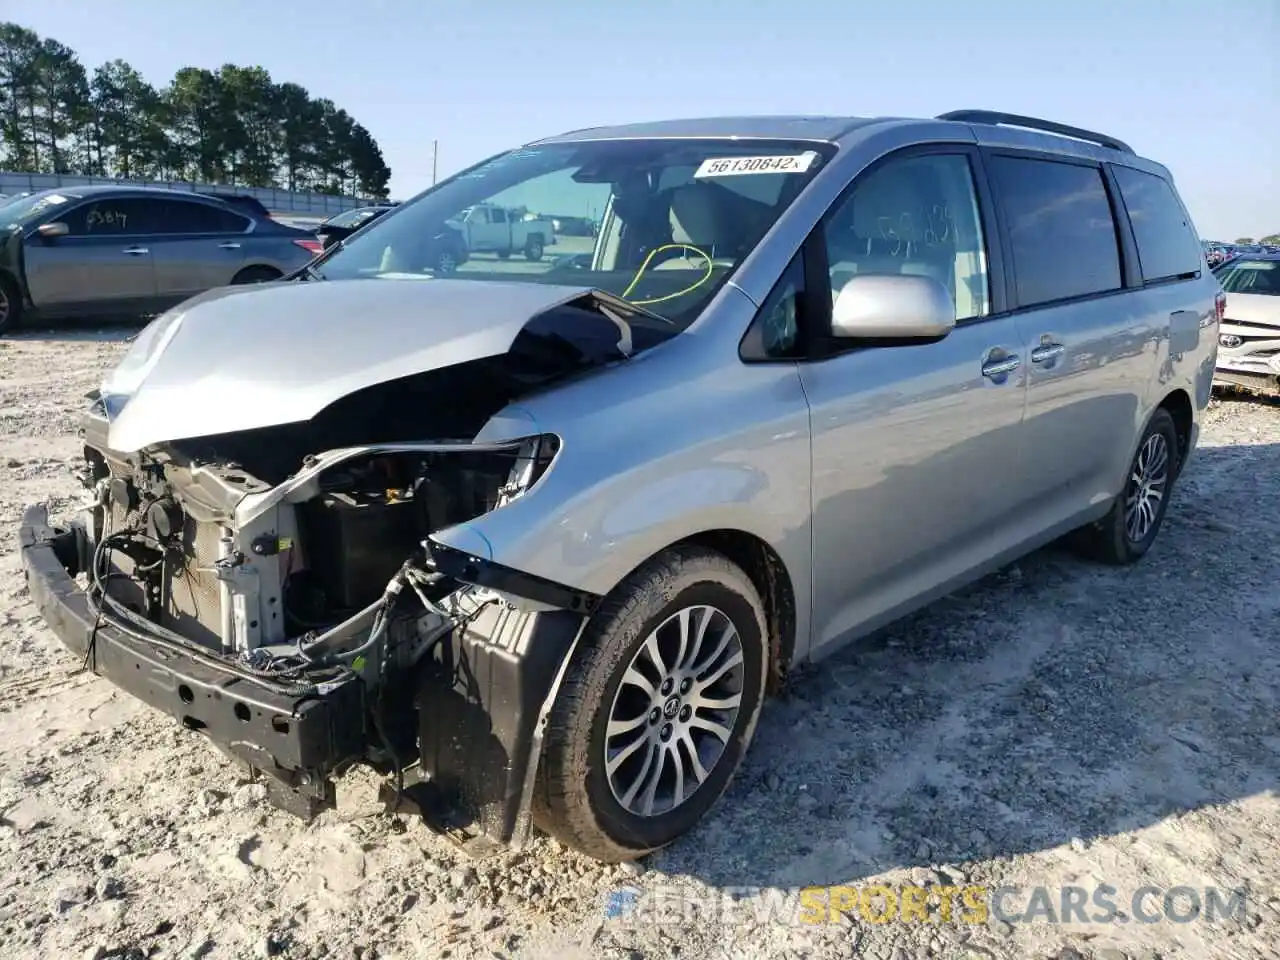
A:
(491, 229)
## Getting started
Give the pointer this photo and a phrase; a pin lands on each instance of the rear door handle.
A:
(1047, 351)
(229, 245)
(998, 368)
(136, 251)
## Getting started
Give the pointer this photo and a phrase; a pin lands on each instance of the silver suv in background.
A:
(542, 536)
(83, 251)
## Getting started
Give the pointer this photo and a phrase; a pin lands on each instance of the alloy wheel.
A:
(1148, 484)
(675, 711)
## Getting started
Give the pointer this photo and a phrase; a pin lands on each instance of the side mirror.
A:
(893, 307)
(53, 230)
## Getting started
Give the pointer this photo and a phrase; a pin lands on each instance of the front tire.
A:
(657, 708)
(1129, 529)
(10, 305)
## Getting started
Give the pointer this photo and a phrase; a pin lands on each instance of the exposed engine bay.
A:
(328, 554)
(288, 571)
(326, 584)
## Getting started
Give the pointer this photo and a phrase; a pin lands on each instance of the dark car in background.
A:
(86, 251)
(342, 225)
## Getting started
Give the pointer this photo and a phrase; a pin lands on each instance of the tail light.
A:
(1220, 306)
(313, 247)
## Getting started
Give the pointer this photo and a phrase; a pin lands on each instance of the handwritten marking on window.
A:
(99, 217)
(937, 228)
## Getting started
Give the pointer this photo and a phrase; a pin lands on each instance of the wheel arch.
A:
(768, 573)
(16, 292)
(260, 267)
(14, 283)
(1178, 403)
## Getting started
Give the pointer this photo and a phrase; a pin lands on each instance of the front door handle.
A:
(1047, 351)
(229, 245)
(998, 368)
(136, 251)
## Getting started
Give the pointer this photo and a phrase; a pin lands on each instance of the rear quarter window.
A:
(1167, 246)
(1062, 234)
(188, 216)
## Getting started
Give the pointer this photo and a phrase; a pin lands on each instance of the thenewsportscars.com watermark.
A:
(973, 905)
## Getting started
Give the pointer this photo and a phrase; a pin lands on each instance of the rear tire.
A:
(617, 796)
(10, 305)
(533, 248)
(1132, 524)
(256, 275)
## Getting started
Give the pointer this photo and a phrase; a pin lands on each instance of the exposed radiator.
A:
(192, 600)
(190, 596)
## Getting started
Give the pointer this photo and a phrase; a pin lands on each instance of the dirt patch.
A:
(1057, 725)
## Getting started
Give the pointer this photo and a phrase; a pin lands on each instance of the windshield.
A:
(24, 209)
(660, 223)
(1251, 276)
(351, 218)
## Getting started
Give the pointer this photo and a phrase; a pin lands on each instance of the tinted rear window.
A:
(1167, 246)
(1061, 230)
(189, 216)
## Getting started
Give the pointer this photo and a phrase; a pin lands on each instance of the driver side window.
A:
(111, 216)
(913, 215)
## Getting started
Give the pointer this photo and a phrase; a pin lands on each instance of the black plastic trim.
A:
(482, 700)
(1130, 265)
(466, 568)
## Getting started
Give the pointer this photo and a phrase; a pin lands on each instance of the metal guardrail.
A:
(277, 201)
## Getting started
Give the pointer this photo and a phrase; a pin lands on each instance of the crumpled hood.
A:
(239, 358)
(1253, 308)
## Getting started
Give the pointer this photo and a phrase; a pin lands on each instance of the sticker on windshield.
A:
(740, 166)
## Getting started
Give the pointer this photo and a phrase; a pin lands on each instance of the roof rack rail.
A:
(1035, 123)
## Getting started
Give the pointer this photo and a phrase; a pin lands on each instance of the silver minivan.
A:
(537, 538)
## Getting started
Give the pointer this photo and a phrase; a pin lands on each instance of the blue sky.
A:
(1195, 85)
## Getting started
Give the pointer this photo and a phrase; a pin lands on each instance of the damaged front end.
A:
(1249, 357)
(293, 606)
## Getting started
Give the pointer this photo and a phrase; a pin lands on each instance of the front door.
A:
(483, 235)
(103, 264)
(916, 449)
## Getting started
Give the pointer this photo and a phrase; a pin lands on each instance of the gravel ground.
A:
(1056, 724)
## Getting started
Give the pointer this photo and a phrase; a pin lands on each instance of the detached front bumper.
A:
(297, 741)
